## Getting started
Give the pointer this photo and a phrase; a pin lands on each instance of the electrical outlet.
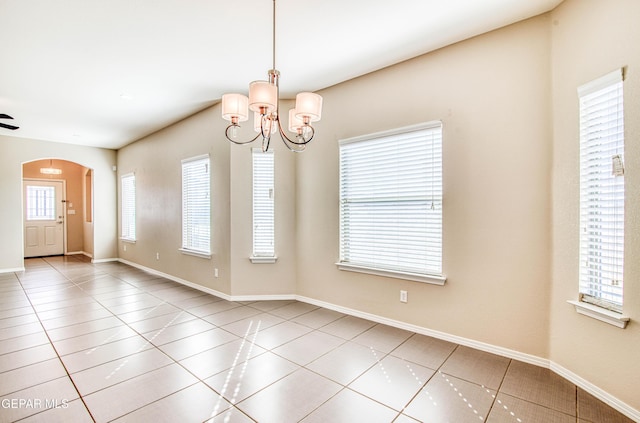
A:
(403, 296)
(157, 256)
(124, 247)
(215, 272)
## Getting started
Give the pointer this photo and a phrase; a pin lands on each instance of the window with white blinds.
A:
(263, 203)
(128, 207)
(196, 205)
(602, 191)
(391, 203)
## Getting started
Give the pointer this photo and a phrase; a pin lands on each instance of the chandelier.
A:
(263, 101)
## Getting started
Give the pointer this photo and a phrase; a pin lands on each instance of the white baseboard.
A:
(501, 351)
(106, 260)
(180, 280)
(505, 352)
(82, 253)
(12, 269)
(603, 396)
(199, 287)
(270, 297)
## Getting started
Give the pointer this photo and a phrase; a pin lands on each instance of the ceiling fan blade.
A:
(3, 116)
(4, 125)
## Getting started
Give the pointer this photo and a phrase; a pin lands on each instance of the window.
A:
(602, 192)
(263, 205)
(391, 203)
(88, 196)
(41, 203)
(196, 206)
(128, 207)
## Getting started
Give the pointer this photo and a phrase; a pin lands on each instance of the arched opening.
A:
(57, 208)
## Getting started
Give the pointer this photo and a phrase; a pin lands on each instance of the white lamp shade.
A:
(262, 95)
(235, 105)
(257, 122)
(295, 123)
(309, 105)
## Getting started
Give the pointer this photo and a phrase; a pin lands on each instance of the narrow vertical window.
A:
(391, 203)
(128, 207)
(263, 205)
(602, 192)
(88, 196)
(196, 206)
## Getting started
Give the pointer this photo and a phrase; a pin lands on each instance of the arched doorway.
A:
(57, 208)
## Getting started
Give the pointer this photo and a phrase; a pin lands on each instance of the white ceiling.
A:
(105, 73)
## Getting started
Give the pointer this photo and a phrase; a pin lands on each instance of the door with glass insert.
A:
(43, 218)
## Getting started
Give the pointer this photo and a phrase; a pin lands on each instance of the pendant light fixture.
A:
(263, 101)
(50, 170)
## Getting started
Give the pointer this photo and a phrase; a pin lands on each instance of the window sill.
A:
(602, 314)
(263, 260)
(201, 254)
(417, 277)
(128, 240)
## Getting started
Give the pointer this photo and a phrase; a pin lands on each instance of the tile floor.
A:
(107, 342)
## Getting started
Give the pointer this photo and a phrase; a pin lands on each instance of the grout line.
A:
(143, 289)
(174, 361)
(56, 350)
(577, 406)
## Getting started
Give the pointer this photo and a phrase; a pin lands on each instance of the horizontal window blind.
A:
(391, 200)
(196, 205)
(263, 203)
(602, 191)
(128, 206)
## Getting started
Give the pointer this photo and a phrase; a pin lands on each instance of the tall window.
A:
(602, 191)
(391, 203)
(88, 196)
(196, 205)
(128, 207)
(263, 203)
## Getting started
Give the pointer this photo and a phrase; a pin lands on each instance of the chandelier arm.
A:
(304, 141)
(266, 134)
(283, 135)
(298, 149)
(226, 134)
(284, 139)
(313, 133)
(294, 146)
(265, 144)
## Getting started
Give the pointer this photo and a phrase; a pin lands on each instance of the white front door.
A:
(43, 218)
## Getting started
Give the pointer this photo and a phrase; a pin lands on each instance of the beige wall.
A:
(591, 39)
(73, 175)
(262, 279)
(156, 162)
(507, 100)
(16, 151)
(492, 94)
